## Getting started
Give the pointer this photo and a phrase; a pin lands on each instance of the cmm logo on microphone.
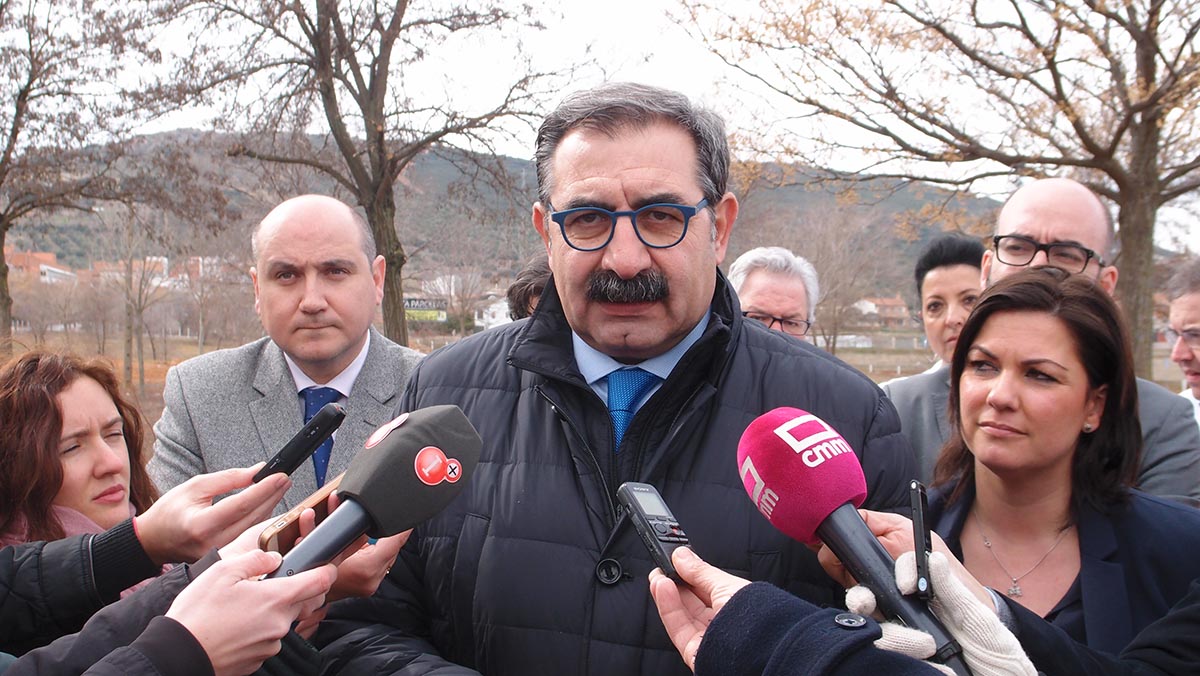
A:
(812, 439)
(764, 498)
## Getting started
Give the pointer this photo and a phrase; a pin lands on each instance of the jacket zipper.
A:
(562, 415)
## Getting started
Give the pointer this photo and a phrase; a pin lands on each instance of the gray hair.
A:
(1185, 280)
(366, 236)
(779, 260)
(616, 106)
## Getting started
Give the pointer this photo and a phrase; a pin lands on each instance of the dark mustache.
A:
(607, 286)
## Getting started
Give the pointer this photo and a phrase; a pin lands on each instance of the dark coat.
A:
(530, 570)
(123, 639)
(1169, 646)
(764, 631)
(49, 589)
(1135, 563)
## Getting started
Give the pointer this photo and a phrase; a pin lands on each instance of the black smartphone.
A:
(305, 443)
(922, 540)
(654, 522)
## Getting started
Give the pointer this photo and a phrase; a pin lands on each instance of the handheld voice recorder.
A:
(305, 443)
(654, 522)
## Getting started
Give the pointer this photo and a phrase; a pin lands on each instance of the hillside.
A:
(447, 220)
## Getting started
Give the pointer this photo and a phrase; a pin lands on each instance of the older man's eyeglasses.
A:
(1018, 250)
(1190, 337)
(793, 327)
(659, 226)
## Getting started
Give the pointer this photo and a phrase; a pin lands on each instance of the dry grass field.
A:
(879, 363)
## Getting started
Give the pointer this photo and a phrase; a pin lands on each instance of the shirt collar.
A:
(594, 365)
(342, 382)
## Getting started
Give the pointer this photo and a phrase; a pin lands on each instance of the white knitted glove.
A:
(988, 647)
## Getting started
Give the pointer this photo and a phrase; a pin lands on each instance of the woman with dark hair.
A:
(1033, 491)
(948, 283)
(72, 449)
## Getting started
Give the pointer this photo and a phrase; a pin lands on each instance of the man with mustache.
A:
(637, 366)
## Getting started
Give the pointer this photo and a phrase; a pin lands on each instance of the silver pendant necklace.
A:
(1015, 589)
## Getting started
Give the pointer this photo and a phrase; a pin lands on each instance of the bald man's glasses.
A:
(1018, 251)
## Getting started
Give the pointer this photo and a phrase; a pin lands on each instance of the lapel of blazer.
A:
(370, 404)
(941, 397)
(1106, 613)
(277, 416)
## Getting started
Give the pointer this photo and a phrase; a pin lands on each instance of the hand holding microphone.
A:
(408, 471)
(989, 648)
(806, 479)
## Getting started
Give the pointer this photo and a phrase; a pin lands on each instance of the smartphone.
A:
(654, 522)
(280, 536)
(305, 443)
(922, 540)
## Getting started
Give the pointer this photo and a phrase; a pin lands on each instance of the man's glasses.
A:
(659, 226)
(792, 327)
(1018, 251)
(1191, 337)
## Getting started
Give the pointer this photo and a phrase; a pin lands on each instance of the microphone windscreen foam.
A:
(797, 470)
(412, 467)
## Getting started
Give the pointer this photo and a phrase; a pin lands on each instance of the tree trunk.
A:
(1139, 207)
(381, 214)
(128, 370)
(141, 355)
(6, 303)
(1135, 285)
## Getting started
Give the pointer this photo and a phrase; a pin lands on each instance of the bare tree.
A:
(953, 92)
(62, 110)
(463, 290)
(97, 307)
(843, 245)
(341, 67)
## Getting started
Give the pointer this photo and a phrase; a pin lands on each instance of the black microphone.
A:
(408, 471)
(806, 479)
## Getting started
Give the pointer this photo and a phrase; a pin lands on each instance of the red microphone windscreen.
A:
(797, 470)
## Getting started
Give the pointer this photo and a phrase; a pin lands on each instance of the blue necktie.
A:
(626, 387)
(314, 399)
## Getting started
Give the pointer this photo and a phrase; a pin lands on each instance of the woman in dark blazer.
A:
(1034, 493)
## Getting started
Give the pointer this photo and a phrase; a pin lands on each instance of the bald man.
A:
(317, 282)
(1060, 222)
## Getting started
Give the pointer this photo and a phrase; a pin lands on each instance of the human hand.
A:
(240, 620)
(988, 647)
(895, 533)
(686, 612)
(360, 573)
(184, 523)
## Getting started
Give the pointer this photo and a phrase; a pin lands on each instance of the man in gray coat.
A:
(1062, 223)
(317, 283)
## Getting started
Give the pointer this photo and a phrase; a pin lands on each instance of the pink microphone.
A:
(806, 479)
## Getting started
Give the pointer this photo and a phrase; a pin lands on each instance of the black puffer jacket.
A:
(516, 576)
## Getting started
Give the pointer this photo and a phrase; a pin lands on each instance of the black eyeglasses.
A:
(1018, 250)
(792, 327)
(659, 226)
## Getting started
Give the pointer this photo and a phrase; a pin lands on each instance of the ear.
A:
(1094, 407)
(378, 270)
(1108, 279)
(985, 268)
(254, 280)
(540, 216)
(726, 214)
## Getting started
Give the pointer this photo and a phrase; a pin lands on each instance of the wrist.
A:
(144, 531)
